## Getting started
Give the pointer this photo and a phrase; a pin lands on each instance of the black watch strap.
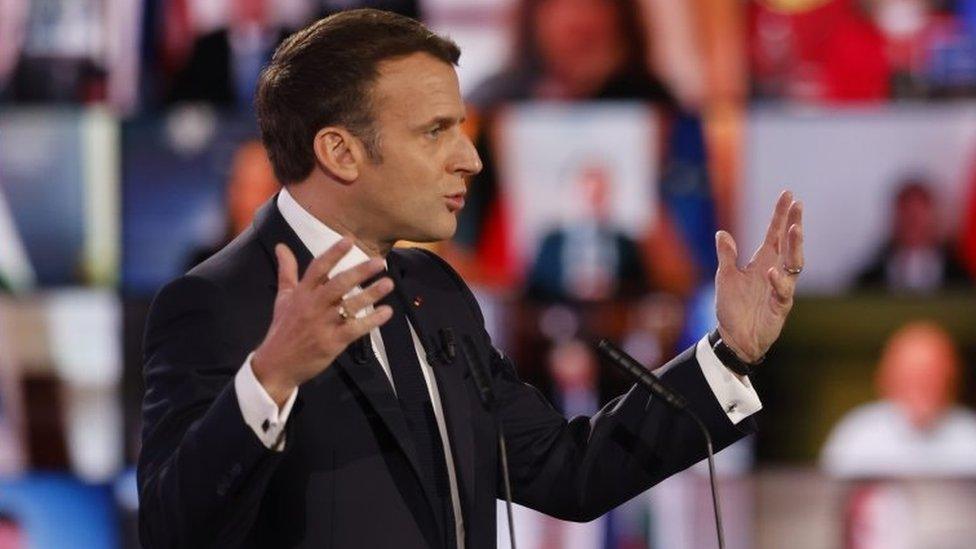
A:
(728, 356)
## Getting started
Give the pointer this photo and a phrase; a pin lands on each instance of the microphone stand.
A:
(483, 381)
(636, 370)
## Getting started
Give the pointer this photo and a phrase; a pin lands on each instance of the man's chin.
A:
(432, 235)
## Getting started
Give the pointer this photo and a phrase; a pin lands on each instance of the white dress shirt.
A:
(735, 393)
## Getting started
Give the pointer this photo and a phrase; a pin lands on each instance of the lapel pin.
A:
(418, 301)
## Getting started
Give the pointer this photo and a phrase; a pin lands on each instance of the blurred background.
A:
(617, 136)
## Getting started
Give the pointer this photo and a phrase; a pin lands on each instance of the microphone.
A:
(479, 372)
(448, 347)
(482, 380)
(636, 370)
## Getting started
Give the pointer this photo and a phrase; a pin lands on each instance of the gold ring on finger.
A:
(792, 271)
(344, 315)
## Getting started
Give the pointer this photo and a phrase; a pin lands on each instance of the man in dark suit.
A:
(295, 399)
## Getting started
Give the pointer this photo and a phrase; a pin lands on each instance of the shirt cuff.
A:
(734, 392)
(260, 412)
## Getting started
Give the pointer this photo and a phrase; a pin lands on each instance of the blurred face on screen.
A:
(919, 372)
(580, 41)
(594, 191)
(416, 188)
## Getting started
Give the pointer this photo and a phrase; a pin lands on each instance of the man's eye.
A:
(435, 132)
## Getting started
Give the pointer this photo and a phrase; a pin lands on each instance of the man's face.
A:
(415, 192)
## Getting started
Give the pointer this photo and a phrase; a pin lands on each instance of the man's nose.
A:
(467, 161)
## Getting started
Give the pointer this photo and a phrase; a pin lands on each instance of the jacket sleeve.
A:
(202, 471)
(582, 468)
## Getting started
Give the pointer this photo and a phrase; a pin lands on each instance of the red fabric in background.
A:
(830, 53)
(967, 229)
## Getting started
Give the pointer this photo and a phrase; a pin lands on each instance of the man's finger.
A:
(727, 251)
(318, 269)
(783, 285)
(793, 217)
(369, 296)
(287, 268)
(794, 256)
(343, 282)
(356, 328)
(777, 225)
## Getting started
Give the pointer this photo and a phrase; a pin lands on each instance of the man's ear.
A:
(339, 153)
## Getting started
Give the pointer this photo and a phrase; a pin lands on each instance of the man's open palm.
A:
(752, 303)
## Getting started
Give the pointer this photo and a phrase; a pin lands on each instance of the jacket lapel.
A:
(449, 373)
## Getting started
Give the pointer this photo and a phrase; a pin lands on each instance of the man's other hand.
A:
(752, 303)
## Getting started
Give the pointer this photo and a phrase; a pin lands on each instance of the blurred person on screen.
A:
(220, 64)
(588, 259)
(916, 429)
(582, 51)
(250, 184)
(856, 51)
(916, 257)
(53, 51)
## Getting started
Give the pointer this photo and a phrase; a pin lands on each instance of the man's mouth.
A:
(454, 201)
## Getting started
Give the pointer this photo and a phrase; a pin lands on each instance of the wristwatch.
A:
(728, 356)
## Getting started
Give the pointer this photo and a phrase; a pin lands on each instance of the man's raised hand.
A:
(312, 323)
(752, 303)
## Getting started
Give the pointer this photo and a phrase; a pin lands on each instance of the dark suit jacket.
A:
(347, 476)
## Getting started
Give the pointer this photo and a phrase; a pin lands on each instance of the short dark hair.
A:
(322, 75)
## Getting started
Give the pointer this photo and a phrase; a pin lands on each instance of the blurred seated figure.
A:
(588, 259)
(917, 258)
(250, 183)
(915, 430)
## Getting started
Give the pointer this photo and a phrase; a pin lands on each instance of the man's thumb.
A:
(287, 268)
(727, 251)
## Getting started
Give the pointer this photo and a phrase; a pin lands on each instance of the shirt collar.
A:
(315, 235)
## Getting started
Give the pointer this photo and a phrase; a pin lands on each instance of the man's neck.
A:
(333, 213)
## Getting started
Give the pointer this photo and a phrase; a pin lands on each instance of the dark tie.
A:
(411, 390)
